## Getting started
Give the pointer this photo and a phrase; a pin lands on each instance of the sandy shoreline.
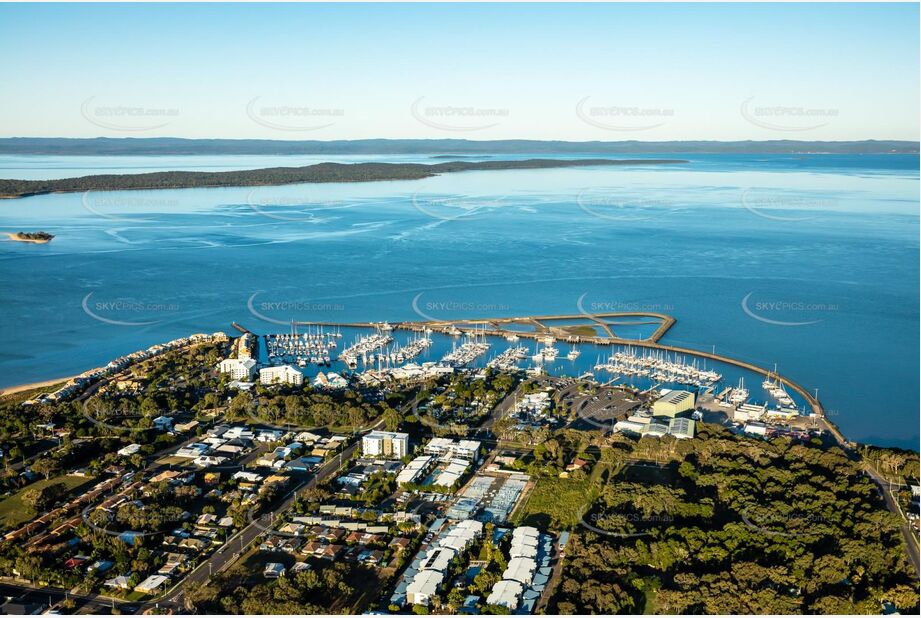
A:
(9, 390)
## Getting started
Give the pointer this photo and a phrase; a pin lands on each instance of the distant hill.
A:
(178, 146)
(321, 172)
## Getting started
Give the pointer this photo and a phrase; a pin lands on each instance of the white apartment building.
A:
(453, 449)
(385, 444)
(285, 374)
(238, 369)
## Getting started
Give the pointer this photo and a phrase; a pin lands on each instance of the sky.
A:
(474, 71)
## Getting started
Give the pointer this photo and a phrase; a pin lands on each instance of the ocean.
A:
(809, 262)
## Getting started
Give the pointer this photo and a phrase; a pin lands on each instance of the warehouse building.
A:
(673, 403)
(682, 428)
(655, 429)
(630, 427)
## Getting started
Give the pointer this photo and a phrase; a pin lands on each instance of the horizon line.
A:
(456, 139)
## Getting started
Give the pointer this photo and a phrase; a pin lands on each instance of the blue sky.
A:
(536, 71)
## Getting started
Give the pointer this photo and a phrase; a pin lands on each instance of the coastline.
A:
(652, 343)
(12, 390)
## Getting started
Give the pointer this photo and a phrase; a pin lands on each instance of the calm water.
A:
(810, 262)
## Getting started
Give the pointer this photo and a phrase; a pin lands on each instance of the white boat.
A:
(739, 394)
(573, 353)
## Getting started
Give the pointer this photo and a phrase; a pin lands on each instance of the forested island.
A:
(319, 173)
(34, 237)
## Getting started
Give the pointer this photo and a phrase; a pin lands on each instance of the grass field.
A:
(555, 503)
(559, 503)
(14, 512)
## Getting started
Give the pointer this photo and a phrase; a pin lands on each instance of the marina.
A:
(310, 348)
(366, 348)
(383, 349)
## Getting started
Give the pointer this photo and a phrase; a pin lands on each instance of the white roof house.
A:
(129, 450)
(208, 460)
(523, 548)
(414, 470)
(194, 450)
(438, 559)
(151, 584)
(274, 570)
(119, 581)
(520, 570)
(249, 477)
(506, 593)
(524, 542)
(461, 535)
(522, 531)
(446, 479)
(424, 586)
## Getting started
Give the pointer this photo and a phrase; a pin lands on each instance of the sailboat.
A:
(573, 354)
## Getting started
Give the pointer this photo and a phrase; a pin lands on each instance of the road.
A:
(50, 595)
(235, 545)
(911, 543)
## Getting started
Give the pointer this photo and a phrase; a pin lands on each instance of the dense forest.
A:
(734, 525)
(319, 173)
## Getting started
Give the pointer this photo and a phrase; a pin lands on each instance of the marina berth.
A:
(467, 352)
(659, 366)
